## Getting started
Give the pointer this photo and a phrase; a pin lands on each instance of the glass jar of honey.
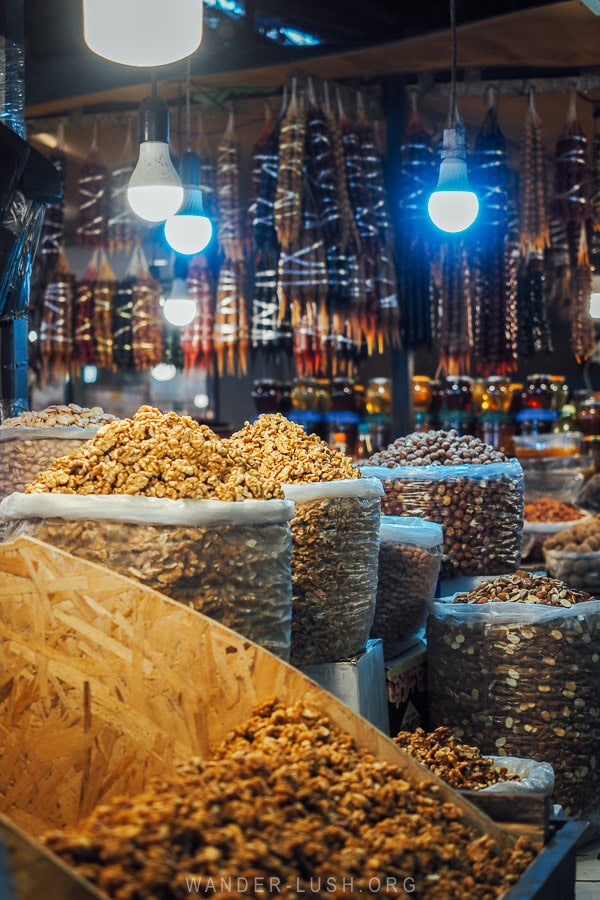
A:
(588, 417)
(379, 397)
(342, 395)
(496, 397)
(478, 394)
(559, 390)
(538, 393)
(422, 391)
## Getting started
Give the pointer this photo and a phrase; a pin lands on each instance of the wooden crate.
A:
(105, 683)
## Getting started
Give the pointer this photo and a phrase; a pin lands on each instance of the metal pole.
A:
(13, 333)
(394, 106)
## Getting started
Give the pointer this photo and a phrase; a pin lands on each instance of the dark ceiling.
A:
(58, 64)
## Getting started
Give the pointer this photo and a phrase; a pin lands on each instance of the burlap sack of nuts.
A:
(335, 542)
(474, 491)
(410, 555)
(230, 561)
(521, 678)
(31, 441)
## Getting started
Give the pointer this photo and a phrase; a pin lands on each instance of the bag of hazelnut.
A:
(410, 555)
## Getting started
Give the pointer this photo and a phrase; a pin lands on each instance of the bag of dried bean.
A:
(228, 560)
(335, 543)
(410, 555)
(480, 507)
(521, 678)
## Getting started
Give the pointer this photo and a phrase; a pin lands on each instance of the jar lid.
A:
(558, 379)
(496, 379)
(422, 379)
(266, 382)
(379, 381)
(458, 379)
(538, 377)
(341, 379)
(537, 415)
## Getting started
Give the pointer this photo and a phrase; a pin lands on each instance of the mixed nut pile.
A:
(461, 766)
(67, 416)
(522, 681)
(574, 555)
(547, 510)
(288, 799)
(334, 540)
(482, 514)
(157, 455)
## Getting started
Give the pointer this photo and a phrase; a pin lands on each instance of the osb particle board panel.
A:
(105, 683)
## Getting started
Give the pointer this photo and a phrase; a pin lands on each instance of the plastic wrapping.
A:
(544, 446)
(230, 561)
(480, 507)
(534, 777)
(25, 452)
(561, 484)
(580, 571)
(335, 541)
(522, 680)
(410, 555)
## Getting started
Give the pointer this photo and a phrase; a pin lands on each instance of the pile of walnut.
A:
(288, 799)
(523, 587)
(157, 455)
(461, 766)
(548, 510)
(282, 450)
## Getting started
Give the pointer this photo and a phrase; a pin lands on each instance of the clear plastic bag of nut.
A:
(521, 679)
(580, 571)
(534, 777)
(228, 560)
(335, 544)
(535, 534)
(479, 506)
(410, 555)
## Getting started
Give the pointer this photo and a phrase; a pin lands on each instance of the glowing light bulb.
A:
(143, 32)
(163, 372)
(190, 230)
(595, 297)
(179, 308)
(154, 191)
(453, 206)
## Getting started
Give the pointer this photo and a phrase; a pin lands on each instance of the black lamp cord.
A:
(153, 82)
(453, 110)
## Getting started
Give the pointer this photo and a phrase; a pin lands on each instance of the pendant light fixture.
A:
(595, 296)
(189, 231)
(453, 206)
(154, 191)
(143, 32)
(180, 306)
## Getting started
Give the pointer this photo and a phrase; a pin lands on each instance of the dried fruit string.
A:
(123, 225)
(83, 317)
(197, 338)
(92, 199)
(123, 316)
(105, 289)
(288, 194)
(56, 336)
(413, 254)
(228, 193)
(595, 193)
(582, 324)
(208, 173)
(571, 205)
(230, 295)
(52, 237)
(147, 337)
(454, 315)
(261, 156)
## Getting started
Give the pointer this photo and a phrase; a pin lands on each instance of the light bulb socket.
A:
(193, 204)
(454, 145)
(153, 120)
(189, 169)
(180, 269)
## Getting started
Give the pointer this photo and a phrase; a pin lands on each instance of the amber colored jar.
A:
(588, 417)
(458, 394)
(496, 397)
(538, 393)
(478, 395)
(266, 396)
(299, 395)
(379, 397)
(422, 390)
(559, 390)
(322, 395)
(360, 399)
(342, 395)
(516, 398)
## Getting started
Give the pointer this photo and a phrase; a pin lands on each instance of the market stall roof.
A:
(378, 37)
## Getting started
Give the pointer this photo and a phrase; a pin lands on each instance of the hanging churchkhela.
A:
(228, 194)
(208, 173)
(288, 193)
(52, 238)
(122, 349)
(230, 319)
(417, 176)
(147, 338)
(92, 199)
(123, 226)
(105, 288)
(595, 195)
(582, 324)
(494, 268)
(56, 339)
(571, 204)
(454, 313)
(533, 325)
(197, 337)
(84, 350)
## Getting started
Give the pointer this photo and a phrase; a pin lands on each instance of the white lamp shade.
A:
(453, 206)
(187, 234)
(179, 308)
(155, 191)
(595, 304)
(143, 32)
